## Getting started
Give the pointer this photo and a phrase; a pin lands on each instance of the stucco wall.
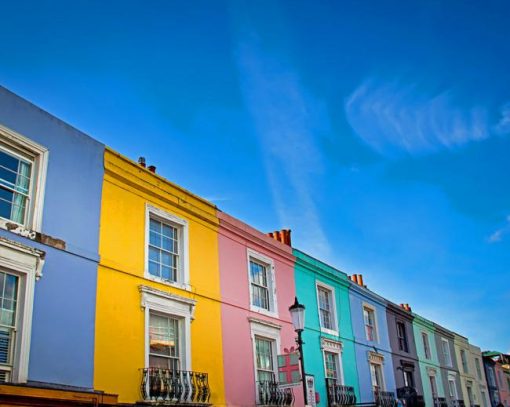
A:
(309, 272)
(235, 238)
(359, 296)
(399, 356)
(62, 342)
(120, 322)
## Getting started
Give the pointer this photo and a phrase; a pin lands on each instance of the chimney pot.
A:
(141, 161)
(360, 280)
(152, 168)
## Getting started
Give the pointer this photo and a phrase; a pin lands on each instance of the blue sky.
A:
(379, 132)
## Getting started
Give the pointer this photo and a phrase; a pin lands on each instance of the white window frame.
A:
(333, 313)
(448, 362)
(15, 144)
(426, 345)
(375, 358)
(269, 331)
(451, 377)
(432, 375)
(183, 246)
(336, 348)
(478, 368)
(172, 305)
(483, 395)
(376, 325)
(464, 361)
(27, 264)
(269, 264)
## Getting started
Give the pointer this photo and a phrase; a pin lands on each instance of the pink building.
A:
(502, 369)
(257, 288)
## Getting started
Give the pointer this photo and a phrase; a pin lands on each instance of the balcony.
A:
(440, 402)
(410, 397)
(458, 403)
(166, 387)
(269, 393)
(384, 398)
(339, 395)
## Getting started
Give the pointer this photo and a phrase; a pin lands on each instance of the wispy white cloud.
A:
(285, 117)
(392, 118)
(499, 233)
(503, 126)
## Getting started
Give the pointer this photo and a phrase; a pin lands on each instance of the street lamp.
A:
(297, 313)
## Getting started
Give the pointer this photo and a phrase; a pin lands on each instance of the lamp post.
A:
(297, 313)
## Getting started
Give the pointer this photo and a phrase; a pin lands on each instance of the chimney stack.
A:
(282, 236)
(152, 168)
(141, 161)
(358, 279)
(406, 307)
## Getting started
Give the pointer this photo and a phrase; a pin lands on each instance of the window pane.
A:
(155, 239)
(163, 335)
(154, 254)
(8, 299)
(154, 269)
(154, 225)
(5, 344)
(14, 186)
(331, 365)
(258, 273)
(167, 273)
(167, 244)
(264, 359)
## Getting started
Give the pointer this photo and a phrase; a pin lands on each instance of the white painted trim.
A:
(429, 357)
(269, 263)
(334, 315)
(374, 310)
(183, 279)
(264, 331)
(26, 263)
(444, 340)
(335, 347)
(172, 305)
(39, 157)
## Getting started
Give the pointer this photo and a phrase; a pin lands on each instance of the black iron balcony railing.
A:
(410, 397)
(340, 395)
(269, 393)
(384, 398)
(458, 403)
(440, 402)
(175, 386)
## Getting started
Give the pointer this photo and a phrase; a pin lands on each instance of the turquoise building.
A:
(428, 360)
(328, 336)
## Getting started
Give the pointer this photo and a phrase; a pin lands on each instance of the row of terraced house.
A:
(118, 287)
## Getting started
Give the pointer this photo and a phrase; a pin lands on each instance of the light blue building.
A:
(372, 345)
(50, 195)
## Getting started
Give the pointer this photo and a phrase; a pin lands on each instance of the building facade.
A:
(329, 341)
(372, 345)
(158, 322)
(479, 373)
(405, 359)
(433, 389)
(470, 390)
(448, 363)
(50, 197)
(257, 288)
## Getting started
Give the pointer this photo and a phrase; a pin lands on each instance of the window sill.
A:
(263, 311)
(182, 286)
(330, 331)
(17, 228)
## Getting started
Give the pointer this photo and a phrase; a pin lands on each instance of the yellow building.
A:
(158, 318)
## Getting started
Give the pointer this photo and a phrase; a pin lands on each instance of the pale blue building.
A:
(372, 346)
(50, 195)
